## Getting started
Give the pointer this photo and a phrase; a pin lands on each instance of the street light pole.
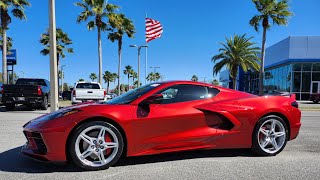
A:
(139, 50)
(53, 57)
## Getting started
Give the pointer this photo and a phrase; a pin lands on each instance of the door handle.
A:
(89, 92)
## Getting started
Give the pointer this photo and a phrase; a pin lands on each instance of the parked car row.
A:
(35, 93)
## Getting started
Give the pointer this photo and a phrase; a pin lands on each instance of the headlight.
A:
(57, 114)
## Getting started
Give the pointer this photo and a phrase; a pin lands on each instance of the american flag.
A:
(153, 29)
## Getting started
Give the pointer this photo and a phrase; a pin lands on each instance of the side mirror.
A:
(153, 99)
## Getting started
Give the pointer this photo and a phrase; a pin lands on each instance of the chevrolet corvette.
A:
(160, 118)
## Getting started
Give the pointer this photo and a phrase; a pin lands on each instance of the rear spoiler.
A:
(293, 96)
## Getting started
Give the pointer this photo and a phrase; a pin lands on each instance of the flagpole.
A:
(146, 64)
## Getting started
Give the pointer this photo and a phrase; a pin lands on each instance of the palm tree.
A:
(108, 77)
(122, 26)
(9, 42)
(135, 84)
(63, 41)
(81, 80)
(194, 78)
(93, 76)
(134, 75)
(157, 76)
(215, 82)
(99, 11)
(16, 7)
(150, 77)
(128, 71)
(237, 52)
(278, 12)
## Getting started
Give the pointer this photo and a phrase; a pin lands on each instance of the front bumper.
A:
(46, 144)
(74, 100)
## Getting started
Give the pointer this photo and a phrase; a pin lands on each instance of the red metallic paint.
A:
(170, 127)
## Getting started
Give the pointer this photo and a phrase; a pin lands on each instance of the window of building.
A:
(306, 81)
(297, 67)
(316, 76)
(316, 67)
(306, 67)
(296, 81)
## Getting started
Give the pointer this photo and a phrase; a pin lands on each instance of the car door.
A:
(176, 123)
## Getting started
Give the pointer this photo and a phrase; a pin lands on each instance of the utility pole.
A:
(53, 57)
(204, 79)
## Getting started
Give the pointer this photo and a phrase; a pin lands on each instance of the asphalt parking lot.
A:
(299, 160)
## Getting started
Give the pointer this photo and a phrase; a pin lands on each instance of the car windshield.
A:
(132, 95)
(88, 86)
(31, 82)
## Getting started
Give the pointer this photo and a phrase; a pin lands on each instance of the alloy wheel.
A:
(96, 146)
(271, 136)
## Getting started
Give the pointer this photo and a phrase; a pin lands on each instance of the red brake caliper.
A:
(108, 139)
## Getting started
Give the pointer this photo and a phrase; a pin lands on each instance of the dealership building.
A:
(291, 65)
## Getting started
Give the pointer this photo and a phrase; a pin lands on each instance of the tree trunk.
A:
(119, 64)
(108, 83)
(128, 81)
(234, 81)
(100, 55)
(4, 48)
(261, 78)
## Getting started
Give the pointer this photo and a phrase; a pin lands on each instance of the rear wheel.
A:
(44, 104)
(269, 136)
(10, 107)
(96, 146)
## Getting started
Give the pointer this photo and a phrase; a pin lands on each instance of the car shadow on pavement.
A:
(13, 161)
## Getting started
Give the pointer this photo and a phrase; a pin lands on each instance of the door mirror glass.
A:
(153, 99)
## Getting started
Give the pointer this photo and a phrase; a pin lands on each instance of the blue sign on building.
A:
(12, 57)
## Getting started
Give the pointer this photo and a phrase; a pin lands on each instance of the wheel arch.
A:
(97, 118)
(282, 116)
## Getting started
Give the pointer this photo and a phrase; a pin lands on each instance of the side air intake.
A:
(218, 121)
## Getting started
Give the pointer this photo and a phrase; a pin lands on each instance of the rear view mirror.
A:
(153, 99)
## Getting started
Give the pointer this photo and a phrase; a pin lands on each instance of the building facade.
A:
(291, 65)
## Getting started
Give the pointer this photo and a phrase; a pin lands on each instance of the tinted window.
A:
(183, 93)
(40, 82)
(88, 86)
(212, 92)
(132, 95)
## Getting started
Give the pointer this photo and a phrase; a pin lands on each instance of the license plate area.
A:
(21, 98)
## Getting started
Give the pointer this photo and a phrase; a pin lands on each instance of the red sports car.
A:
(163, 117)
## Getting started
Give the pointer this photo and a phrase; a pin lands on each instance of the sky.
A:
(192, 32)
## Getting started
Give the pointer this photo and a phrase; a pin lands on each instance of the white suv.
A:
(88, 91)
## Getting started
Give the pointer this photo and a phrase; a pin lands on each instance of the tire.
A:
(316, 101)
(268, 142)
(10, 107)
(98, 151)
(44, 104)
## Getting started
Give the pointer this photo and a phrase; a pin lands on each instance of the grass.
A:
(64, 103)
(309, 108)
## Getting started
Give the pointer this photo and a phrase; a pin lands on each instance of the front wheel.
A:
(269, 136)
(96, 146)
